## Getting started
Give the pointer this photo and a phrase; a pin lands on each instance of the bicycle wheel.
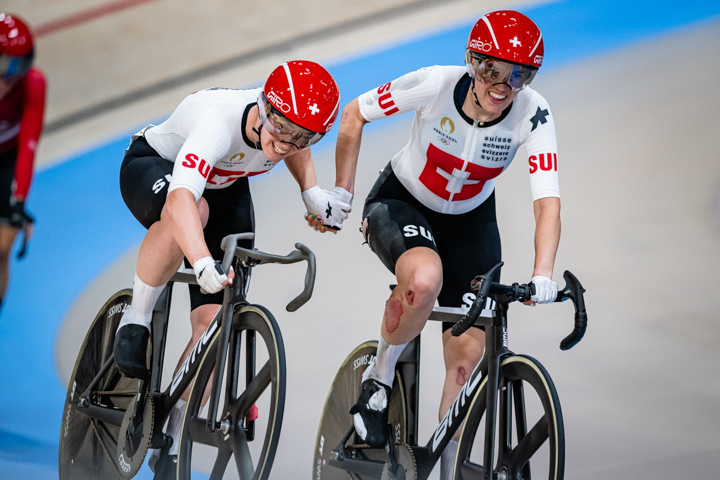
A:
(336, 421)
(238, 448)
(89, 445)
(526, 398)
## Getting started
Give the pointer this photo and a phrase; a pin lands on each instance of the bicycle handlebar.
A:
(482, 284)
(522, 292)
(574, 291)
(301, 253)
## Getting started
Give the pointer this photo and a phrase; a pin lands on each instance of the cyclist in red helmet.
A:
(430, 217)
(22, 103)
(186, 181)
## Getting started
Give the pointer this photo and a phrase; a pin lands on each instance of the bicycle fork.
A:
(497, 350)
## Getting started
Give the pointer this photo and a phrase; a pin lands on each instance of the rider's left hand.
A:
(326, 210)
(545, 289)
(19, 217)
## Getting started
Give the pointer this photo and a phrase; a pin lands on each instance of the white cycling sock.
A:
(383, 369)
(174, 425)
(447, 460)
(140, 310)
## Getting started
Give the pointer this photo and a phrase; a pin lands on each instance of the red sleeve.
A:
(30, 130)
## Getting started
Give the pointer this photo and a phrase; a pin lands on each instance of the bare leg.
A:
(461, 355)
(419, 276)
(7, 237)
(160, 255)
(200, 318)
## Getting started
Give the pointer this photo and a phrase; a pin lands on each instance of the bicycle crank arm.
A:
(104, 414)
(371, 468)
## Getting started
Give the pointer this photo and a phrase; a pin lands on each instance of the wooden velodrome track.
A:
(636, 116)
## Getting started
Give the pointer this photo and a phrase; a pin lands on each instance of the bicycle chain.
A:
(129, 393)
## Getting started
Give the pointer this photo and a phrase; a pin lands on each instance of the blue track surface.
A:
(84, 227)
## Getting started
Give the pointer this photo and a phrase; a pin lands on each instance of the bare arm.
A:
(347, 148)
(182, 215)
(302, 169)
(547, 234)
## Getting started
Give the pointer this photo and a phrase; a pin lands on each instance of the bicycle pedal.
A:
(360, 446)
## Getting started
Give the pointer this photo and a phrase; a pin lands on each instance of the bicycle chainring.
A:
(406, 468)
(131, 452)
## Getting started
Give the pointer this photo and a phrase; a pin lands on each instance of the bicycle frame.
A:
(496, 349)
(489, 310)
(234, 297)
(164, 401)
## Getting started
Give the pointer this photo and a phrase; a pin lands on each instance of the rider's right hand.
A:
(331, 207)
(210, 275)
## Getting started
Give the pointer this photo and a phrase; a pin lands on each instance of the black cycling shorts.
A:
(468, 243)
(7, 177)
(144, 180)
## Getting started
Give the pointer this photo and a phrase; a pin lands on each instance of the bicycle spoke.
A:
(243, 459)
(255, 389)
(221, 462)
(527, 447)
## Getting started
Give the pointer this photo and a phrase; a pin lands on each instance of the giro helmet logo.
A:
(478, 44)
(275, 99)
(447, 125)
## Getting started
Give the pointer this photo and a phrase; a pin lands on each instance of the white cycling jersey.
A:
(206, 139)
(450, 161)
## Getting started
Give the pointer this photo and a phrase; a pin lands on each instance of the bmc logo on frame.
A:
(387, 104)
(546, 162)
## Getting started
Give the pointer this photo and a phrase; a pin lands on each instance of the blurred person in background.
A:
(22, 104)
(186, 181)
(430, 217)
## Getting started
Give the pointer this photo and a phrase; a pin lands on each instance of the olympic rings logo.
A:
(444, 141)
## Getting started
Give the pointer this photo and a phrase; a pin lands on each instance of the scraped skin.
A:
(419, 276)
(461, 355)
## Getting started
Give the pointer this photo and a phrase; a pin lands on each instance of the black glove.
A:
(19, 217)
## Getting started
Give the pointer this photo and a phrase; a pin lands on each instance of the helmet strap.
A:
(472, 87)
(258, 144)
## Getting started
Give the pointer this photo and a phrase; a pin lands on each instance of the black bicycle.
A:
(505, 391)
(110, 421)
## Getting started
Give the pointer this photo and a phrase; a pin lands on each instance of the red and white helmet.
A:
(507, 35)
(16, 47)
(305, 93)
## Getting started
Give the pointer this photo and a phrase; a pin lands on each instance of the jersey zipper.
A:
(467, 154)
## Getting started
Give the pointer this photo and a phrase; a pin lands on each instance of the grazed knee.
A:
(393, 312)
(461, 376)
(410, 297)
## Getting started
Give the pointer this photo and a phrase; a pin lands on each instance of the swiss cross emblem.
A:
(314, 108)
(515, 42)
(448, 177)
